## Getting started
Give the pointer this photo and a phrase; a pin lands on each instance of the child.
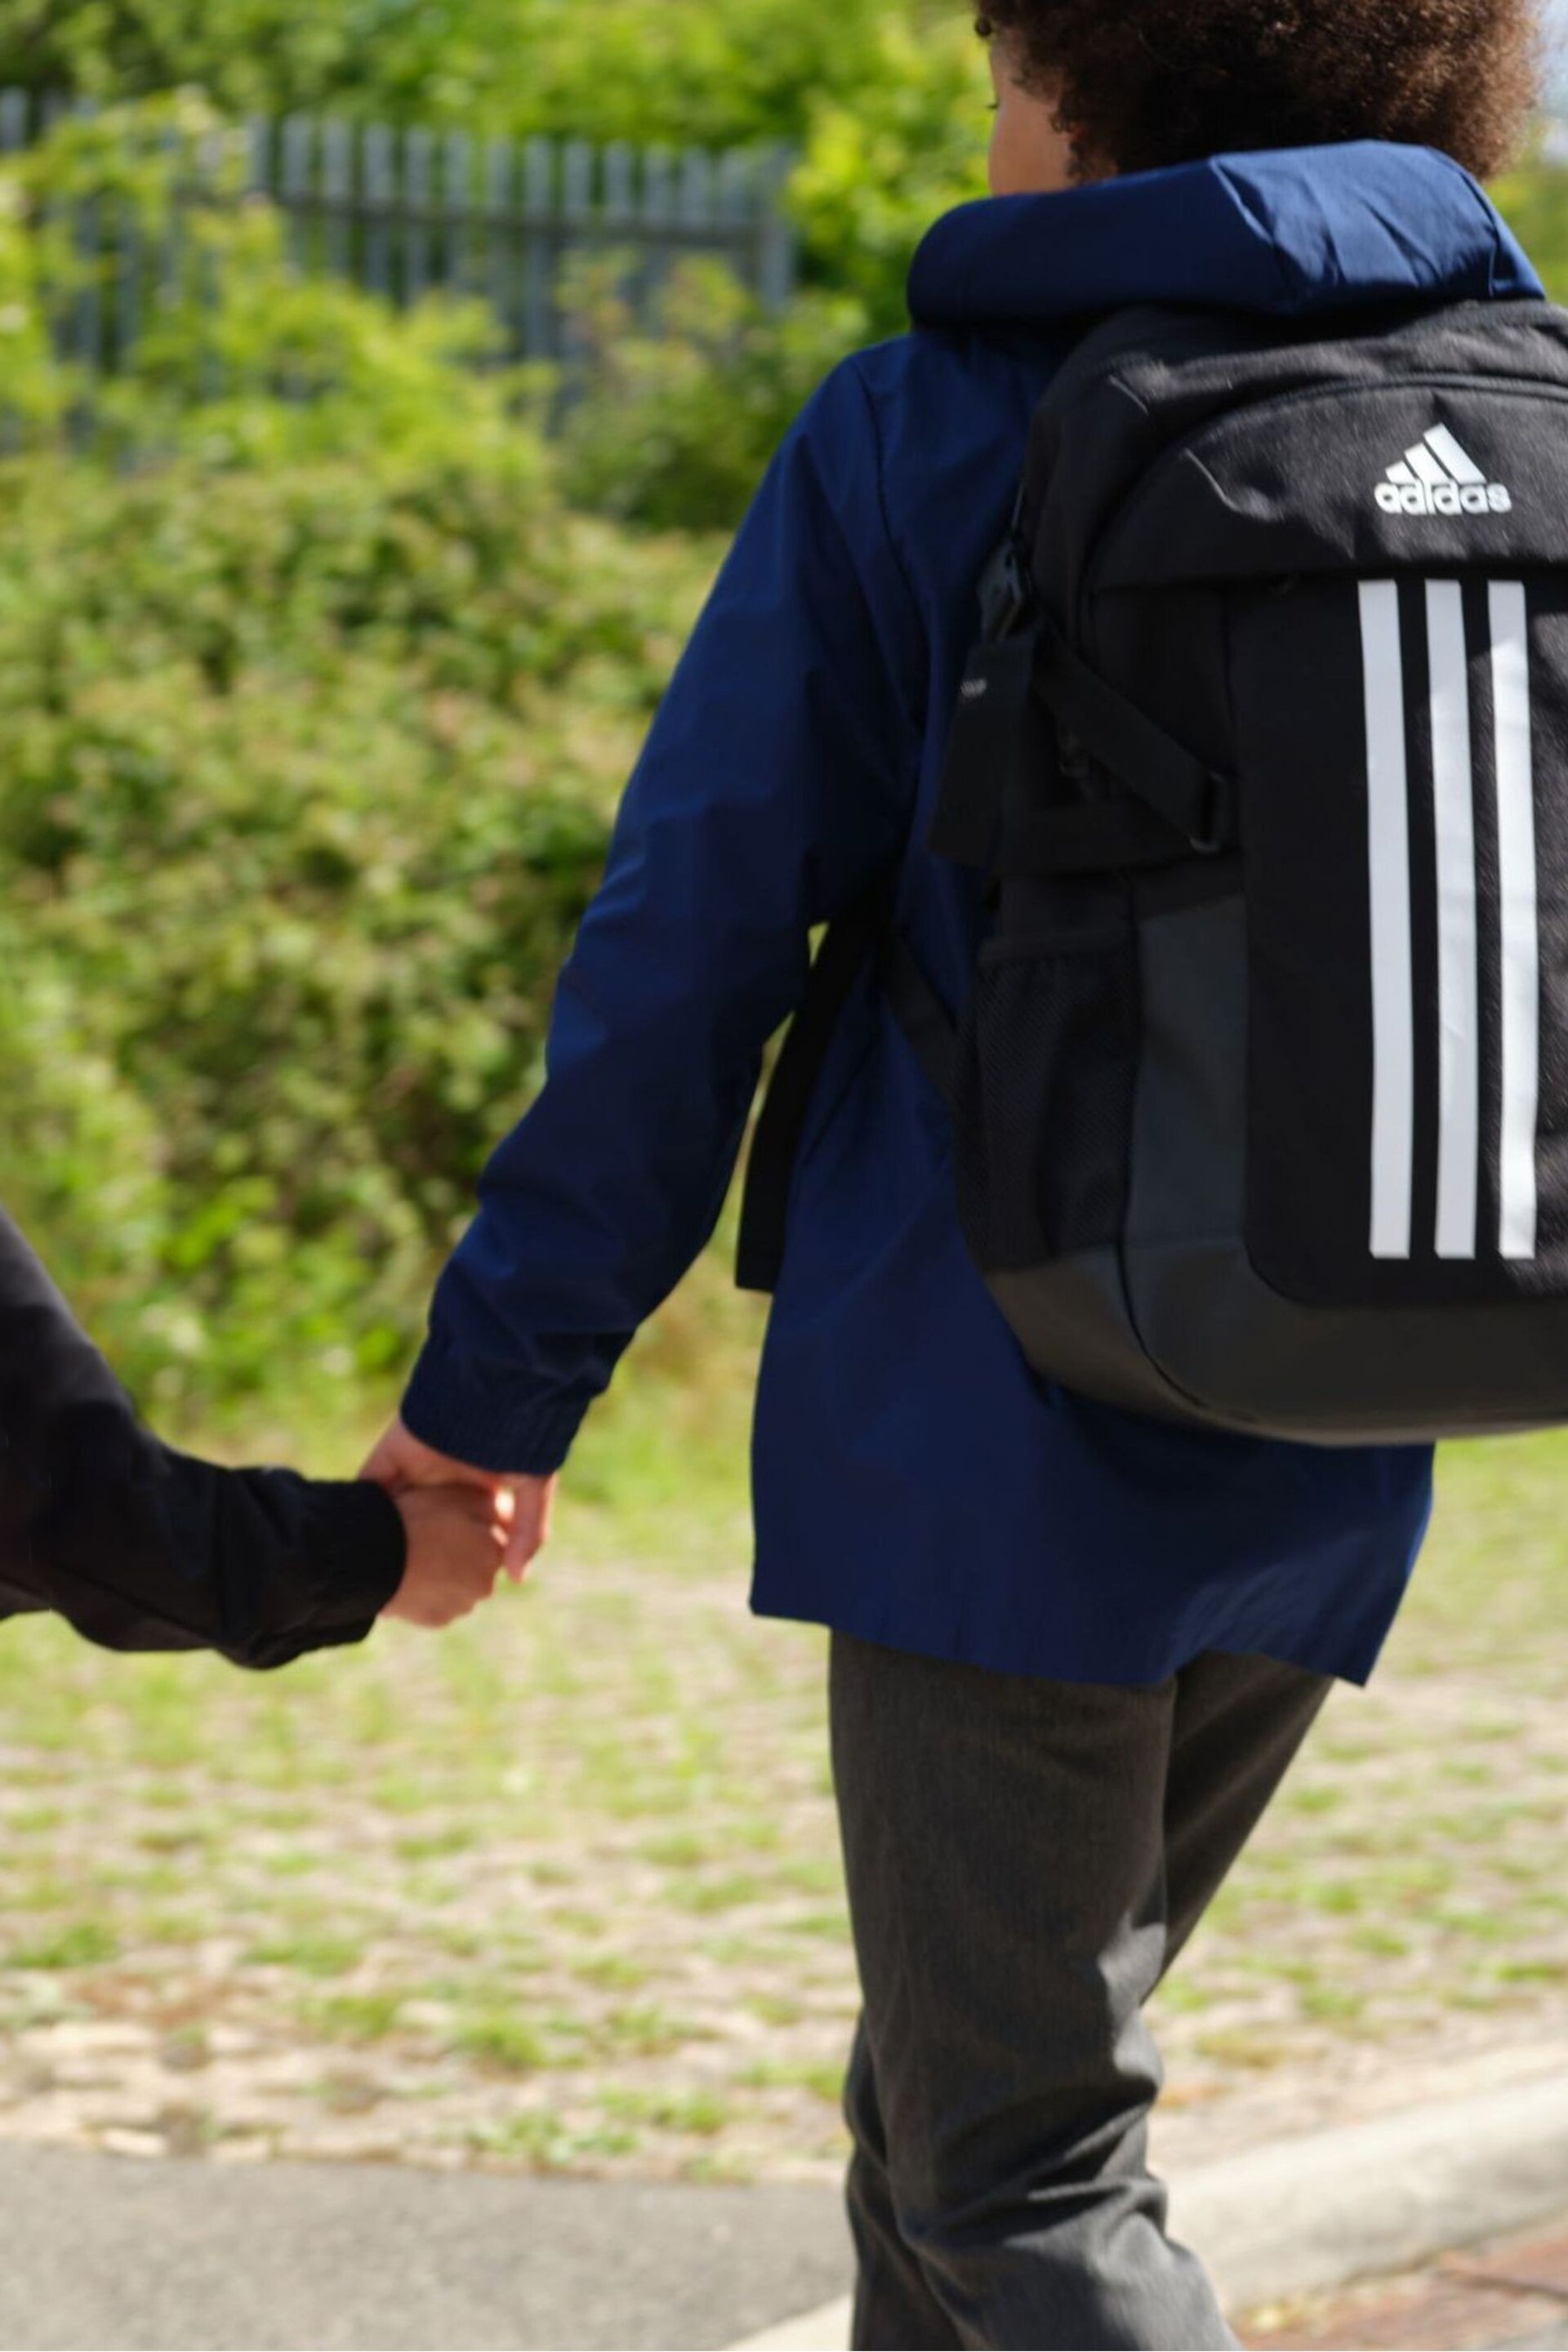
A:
(143, 1549)
(1074, 1652)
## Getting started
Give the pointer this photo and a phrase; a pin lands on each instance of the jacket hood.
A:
(1289, 233)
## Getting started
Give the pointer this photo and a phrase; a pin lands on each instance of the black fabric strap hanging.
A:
(847, 950)
(919, 1013)
(854, 942)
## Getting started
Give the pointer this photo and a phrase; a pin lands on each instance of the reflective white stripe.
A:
(1388, 841)
(1400, 472)
(1520, 940)
(1460, 462)
(1459, 983)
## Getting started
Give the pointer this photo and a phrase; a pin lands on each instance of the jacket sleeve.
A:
(776, 786)
(143, 1549)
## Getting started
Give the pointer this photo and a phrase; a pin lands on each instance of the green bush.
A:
(675, 425)
(672, 429)
(304, 780)
(1534, 201)
(313, 712)
(79, 1158)
(882, 161)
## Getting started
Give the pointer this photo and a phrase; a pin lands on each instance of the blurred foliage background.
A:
(314, 709)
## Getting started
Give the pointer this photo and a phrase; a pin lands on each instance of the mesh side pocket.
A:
(1048, 1061)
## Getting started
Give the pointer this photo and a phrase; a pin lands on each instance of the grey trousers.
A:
(1025, 1860)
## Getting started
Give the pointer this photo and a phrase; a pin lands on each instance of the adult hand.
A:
(456, 1544)
(523, 1507)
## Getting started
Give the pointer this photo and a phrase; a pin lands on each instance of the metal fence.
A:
(406, 212)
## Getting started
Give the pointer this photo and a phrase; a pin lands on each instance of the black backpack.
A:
(1260, 1093)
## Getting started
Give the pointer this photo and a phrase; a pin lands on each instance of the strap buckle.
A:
(1006, 589)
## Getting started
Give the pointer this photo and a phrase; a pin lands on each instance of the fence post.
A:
(457, 177)
(379, 162)
(16, 120)
(776, 244)
(501, 235)
(338, 197)
(128, 263)
(257, 156)
(294, 188)
(618, 211)
(576, 183)
(697, 193)
(658, 224)
(417, 150)
(539, 263)
(735, 178)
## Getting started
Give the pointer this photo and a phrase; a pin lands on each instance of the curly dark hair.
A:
(1141, 83)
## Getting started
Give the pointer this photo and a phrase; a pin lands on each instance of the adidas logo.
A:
(1438, 477)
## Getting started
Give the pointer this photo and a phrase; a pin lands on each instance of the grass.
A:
(81, 1945)
(503, 2042)
(563, 1889)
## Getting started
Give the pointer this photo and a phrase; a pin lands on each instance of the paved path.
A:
(99, 2252)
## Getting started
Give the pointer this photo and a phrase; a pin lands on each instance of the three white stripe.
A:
(1458, 991)
(1459, 981)
(1393, 967)
(1517, 895)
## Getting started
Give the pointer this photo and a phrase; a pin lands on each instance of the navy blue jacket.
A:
(915, 1483)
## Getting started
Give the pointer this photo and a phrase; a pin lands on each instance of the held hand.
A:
(522, 1505)
(456, 1543)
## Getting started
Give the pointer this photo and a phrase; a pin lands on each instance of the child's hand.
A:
(457, 1544)
(402, 1460)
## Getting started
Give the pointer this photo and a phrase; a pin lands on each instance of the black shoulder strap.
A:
(854, 942)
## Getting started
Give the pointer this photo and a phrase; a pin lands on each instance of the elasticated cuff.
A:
(487, 1427)
(355, 1552)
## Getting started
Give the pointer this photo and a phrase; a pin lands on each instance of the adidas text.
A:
(1438, 476)
(1443, 497)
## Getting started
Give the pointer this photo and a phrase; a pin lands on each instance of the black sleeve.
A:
(144, 1548)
